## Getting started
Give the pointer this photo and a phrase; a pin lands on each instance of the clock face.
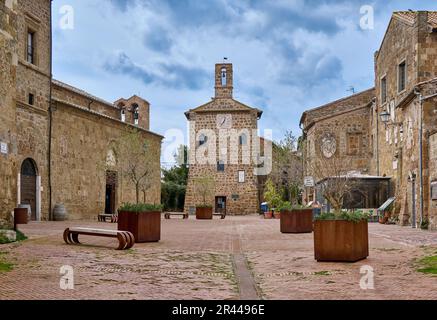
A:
(328, 146)
(224, 121)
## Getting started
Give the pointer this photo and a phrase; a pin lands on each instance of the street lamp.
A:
(385, 117)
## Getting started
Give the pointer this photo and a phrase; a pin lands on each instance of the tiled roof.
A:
(410, 17)
(81, 92)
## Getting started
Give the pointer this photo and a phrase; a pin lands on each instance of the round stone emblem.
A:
(328, 146)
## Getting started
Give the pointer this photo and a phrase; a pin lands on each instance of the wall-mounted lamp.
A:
(385, 119)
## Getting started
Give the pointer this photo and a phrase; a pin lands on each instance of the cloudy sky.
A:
(288, 55)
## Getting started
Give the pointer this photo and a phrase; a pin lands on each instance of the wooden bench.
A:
(168, 215)
(102, 217)
(221, 215)
(125, 238)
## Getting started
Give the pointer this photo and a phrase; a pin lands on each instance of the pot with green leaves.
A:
(296, 219)
(204, 187)
(341, 237)
(142, 220)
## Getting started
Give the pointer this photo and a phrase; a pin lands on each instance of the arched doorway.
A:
(111, 192)
(28, 181)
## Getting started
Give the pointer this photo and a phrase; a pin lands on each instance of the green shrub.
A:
(355, 216)
(287, 206)
(140, 207)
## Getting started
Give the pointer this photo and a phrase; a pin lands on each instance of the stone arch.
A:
(29, 181)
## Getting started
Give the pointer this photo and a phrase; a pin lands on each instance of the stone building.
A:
(402, 117)
(54, 136)
(338, 130)
(223, 145)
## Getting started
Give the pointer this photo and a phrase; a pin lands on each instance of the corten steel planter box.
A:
(21, 216)
(145, 226)
(204, 213)
(341, 240)
(297, 221)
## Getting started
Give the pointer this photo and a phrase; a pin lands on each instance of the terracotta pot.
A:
(384, 220)
(268, 215)
(277, 215)
(145, 226)
(297, 221)
(204, 213)
(340, 240)
(21, 216)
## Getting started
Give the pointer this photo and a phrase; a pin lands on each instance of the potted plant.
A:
(296, 219)
(341, 235)
(273, 198)
(142, 220)
(204, 188)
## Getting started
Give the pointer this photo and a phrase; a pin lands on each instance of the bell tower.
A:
(223, 81)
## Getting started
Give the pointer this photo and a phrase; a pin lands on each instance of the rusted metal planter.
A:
(340, 240)
(204, 213)
(145, 226)
(21, 216)
(297, 221)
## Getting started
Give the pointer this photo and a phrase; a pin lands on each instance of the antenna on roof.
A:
(351, 89)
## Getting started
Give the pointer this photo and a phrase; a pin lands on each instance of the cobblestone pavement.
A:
(202, 260)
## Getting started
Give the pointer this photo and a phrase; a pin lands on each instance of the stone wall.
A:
(8, 135)
(81, 142)
(347, 122)
(399, 149)
(433, 181)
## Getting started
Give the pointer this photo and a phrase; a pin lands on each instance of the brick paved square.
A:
(200, 260)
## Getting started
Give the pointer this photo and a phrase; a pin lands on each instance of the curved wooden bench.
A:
(125, 238)
(168, 215)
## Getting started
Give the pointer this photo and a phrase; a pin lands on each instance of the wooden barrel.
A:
(59, 212)
(20, 216)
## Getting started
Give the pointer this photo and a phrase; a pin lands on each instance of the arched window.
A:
(136, 112)
(224, 77)
(202, 139)
(243, 139)
(123, 115)
(122, 111)
(28, 168)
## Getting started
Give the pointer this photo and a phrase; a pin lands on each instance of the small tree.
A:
(204, 186)
(271, 195)
(135, 161)
(287, 171)
(335, 183)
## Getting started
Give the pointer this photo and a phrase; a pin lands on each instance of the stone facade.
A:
(410, 48)
(8, 135)
(346, 124)
(57, 148)
(80, 146)
(399, 140)
(228, 129)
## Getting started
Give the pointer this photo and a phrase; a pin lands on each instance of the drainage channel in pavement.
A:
(246, 283)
